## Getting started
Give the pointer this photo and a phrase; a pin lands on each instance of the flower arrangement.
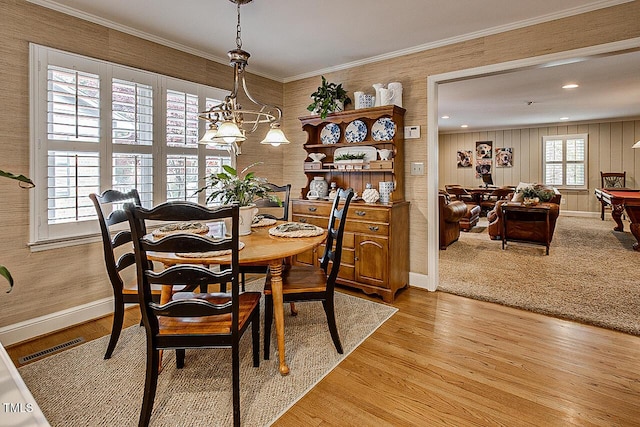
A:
(244, 188)
(542, 192)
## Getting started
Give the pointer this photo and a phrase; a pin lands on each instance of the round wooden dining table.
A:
(259, 248)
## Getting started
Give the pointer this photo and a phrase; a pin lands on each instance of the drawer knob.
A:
(312, 209)
(374, 228)
(361, 213)
(303, 219)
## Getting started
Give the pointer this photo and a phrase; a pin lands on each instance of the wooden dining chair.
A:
(310, 283)
(190, 320)
(110, 213)
(267, 208)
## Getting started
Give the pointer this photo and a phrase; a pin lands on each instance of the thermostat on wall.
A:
(411, 132)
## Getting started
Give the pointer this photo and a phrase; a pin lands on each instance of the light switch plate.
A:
(417, 168)
(411, 132)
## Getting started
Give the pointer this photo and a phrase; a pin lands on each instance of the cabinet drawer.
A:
(372, 228)
(310, 208)
(366, 213)
(320, 222)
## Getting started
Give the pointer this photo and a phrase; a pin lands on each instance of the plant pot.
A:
(246, 219)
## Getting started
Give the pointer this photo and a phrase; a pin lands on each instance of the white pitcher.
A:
(377, 87)
(385, 96)
(396, 93)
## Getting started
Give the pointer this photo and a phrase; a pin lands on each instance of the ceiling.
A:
(290, 40)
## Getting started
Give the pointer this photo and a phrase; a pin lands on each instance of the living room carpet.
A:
(78, 388)
(590, 275)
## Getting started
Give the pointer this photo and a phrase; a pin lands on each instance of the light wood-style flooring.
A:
(448, 360)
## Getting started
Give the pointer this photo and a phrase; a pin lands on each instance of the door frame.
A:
(549, 60)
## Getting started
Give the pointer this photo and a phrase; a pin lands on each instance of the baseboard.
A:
(32, 328)
(419, 280)
(582, 214)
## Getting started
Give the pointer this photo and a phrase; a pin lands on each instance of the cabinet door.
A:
(309, 258)
(372, 260)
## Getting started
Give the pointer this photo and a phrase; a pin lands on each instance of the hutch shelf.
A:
(375, 254)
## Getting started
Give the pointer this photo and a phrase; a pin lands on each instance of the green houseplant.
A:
(328, 98)
(244, 188)
(24, 183)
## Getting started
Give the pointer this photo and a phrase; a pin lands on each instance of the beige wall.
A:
(609, 151)
(55, 280)
(58, 279)
(599, 27)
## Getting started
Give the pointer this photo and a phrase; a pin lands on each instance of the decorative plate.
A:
(208, 254)
(181, 227)
(383, 129)
(356, 131)
(330, 134)
(296, 229)
(261, 221)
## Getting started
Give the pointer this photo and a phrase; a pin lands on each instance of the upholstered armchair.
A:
(526, 230)
(450, 214)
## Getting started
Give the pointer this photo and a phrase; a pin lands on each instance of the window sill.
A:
(45, 245)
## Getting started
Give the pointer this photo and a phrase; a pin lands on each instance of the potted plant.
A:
(24, 183)
(329, 97)
(350, 160)
(229, 186)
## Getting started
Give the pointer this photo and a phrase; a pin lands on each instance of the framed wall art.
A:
(465, 158)
(504, 157)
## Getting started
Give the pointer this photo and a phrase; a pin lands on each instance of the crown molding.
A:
(141, 34)
(462, 38)
(402, 52)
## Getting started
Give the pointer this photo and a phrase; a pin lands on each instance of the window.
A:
(564, 161)
(98, 125)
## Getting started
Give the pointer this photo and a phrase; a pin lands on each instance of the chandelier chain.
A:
(238, 30)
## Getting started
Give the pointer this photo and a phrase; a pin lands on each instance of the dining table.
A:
(262, 248)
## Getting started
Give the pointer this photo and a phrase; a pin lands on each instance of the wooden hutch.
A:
(375, 255)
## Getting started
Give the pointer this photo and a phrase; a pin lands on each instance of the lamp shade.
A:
(636, 145)
(230, 132)
(209, 135)
(275, 137)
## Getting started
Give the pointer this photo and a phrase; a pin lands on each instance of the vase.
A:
(320, 185)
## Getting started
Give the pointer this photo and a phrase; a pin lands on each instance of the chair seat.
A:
(209, 325)
(300, 279)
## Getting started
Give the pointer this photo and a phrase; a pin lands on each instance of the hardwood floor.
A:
(448, 360)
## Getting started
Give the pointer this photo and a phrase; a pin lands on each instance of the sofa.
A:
(451, 212)
(524, 229)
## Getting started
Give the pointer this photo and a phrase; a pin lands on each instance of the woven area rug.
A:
(590, 274)
(78, 388)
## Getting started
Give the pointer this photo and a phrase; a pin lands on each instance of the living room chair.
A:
(488, 203)
(123, 293)
(611, 180)
(458, 192)
(190, 320)
(309, 283)
(450, 214)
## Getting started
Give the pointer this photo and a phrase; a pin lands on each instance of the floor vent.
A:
(47, 352)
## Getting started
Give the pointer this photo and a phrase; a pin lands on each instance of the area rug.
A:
(78, 388)
(590, 274)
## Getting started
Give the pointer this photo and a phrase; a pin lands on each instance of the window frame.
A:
(47, 236)
(565, 162)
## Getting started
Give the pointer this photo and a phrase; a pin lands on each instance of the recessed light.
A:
(464, 126)
(570, 86)
(444, 117)
(564, 118)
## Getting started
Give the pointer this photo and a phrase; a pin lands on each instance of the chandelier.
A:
(229, 123)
